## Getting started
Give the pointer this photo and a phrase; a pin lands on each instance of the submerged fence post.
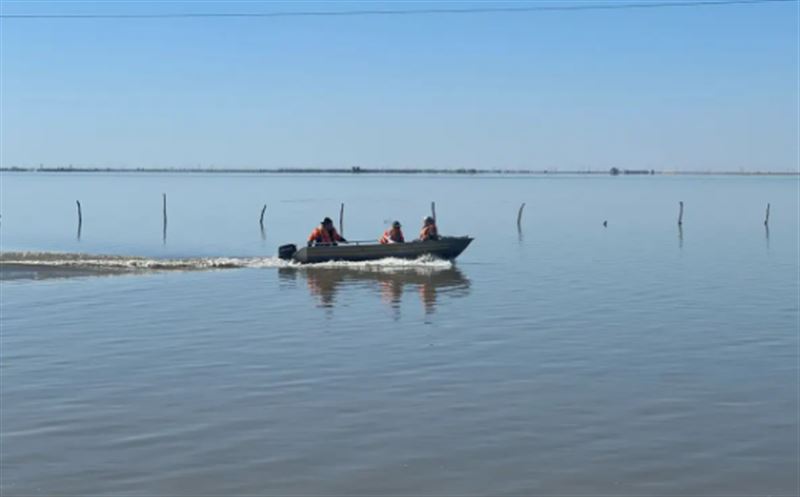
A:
(341, 219)
(261, 222)
(680, 213)
(519, 216)
(766, 219)
(433, 211)
(164, 197)
(80, 218)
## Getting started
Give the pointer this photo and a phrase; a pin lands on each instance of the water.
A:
(565, 359)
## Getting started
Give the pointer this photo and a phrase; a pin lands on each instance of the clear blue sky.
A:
(705, 88)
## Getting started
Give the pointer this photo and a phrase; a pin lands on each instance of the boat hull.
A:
(448, 248)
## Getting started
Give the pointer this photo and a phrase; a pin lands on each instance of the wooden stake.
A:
(519, 215)
(766, 219)
(341, 219)
(433, 211)
(164, 196)
(680, 213)
(80, 219)
(261, 219)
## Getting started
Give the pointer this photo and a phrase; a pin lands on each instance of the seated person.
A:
(429, 231)
(325, 234)
(393, 234)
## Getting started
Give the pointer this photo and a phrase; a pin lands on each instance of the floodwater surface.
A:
(563, 358)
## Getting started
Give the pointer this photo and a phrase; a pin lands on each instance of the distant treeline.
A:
(363, 170)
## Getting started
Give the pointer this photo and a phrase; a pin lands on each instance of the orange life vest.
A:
(392, 236)
(321, 235)
(429, 232)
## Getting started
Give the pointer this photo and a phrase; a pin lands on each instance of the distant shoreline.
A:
(362, 170)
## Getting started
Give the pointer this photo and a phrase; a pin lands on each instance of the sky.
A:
(707, 88)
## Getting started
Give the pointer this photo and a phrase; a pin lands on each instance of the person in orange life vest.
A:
(393, 234)
(429, 231)
(325, 234)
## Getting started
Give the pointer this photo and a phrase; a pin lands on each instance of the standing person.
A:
(393, 234)
(325, 234)
(429, 231)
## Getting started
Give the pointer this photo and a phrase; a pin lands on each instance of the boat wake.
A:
(41, 265)
(58, 259)
(389, 264)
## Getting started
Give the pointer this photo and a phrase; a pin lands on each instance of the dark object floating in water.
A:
(605, 224)
(447, 247)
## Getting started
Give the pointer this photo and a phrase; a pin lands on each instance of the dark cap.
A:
(327, 220)
(396, 224)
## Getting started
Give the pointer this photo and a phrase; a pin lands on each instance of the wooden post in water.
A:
(261, 222)
(680, 213)
(341, 219)
(766, 219)
(80, 218)
(519, 216)
(164, 197)
(433, 211)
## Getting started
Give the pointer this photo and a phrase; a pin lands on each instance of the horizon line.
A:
(355, 170)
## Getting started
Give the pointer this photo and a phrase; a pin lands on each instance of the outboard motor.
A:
(286, 252)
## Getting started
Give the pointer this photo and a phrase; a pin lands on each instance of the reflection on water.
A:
(429, 283)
